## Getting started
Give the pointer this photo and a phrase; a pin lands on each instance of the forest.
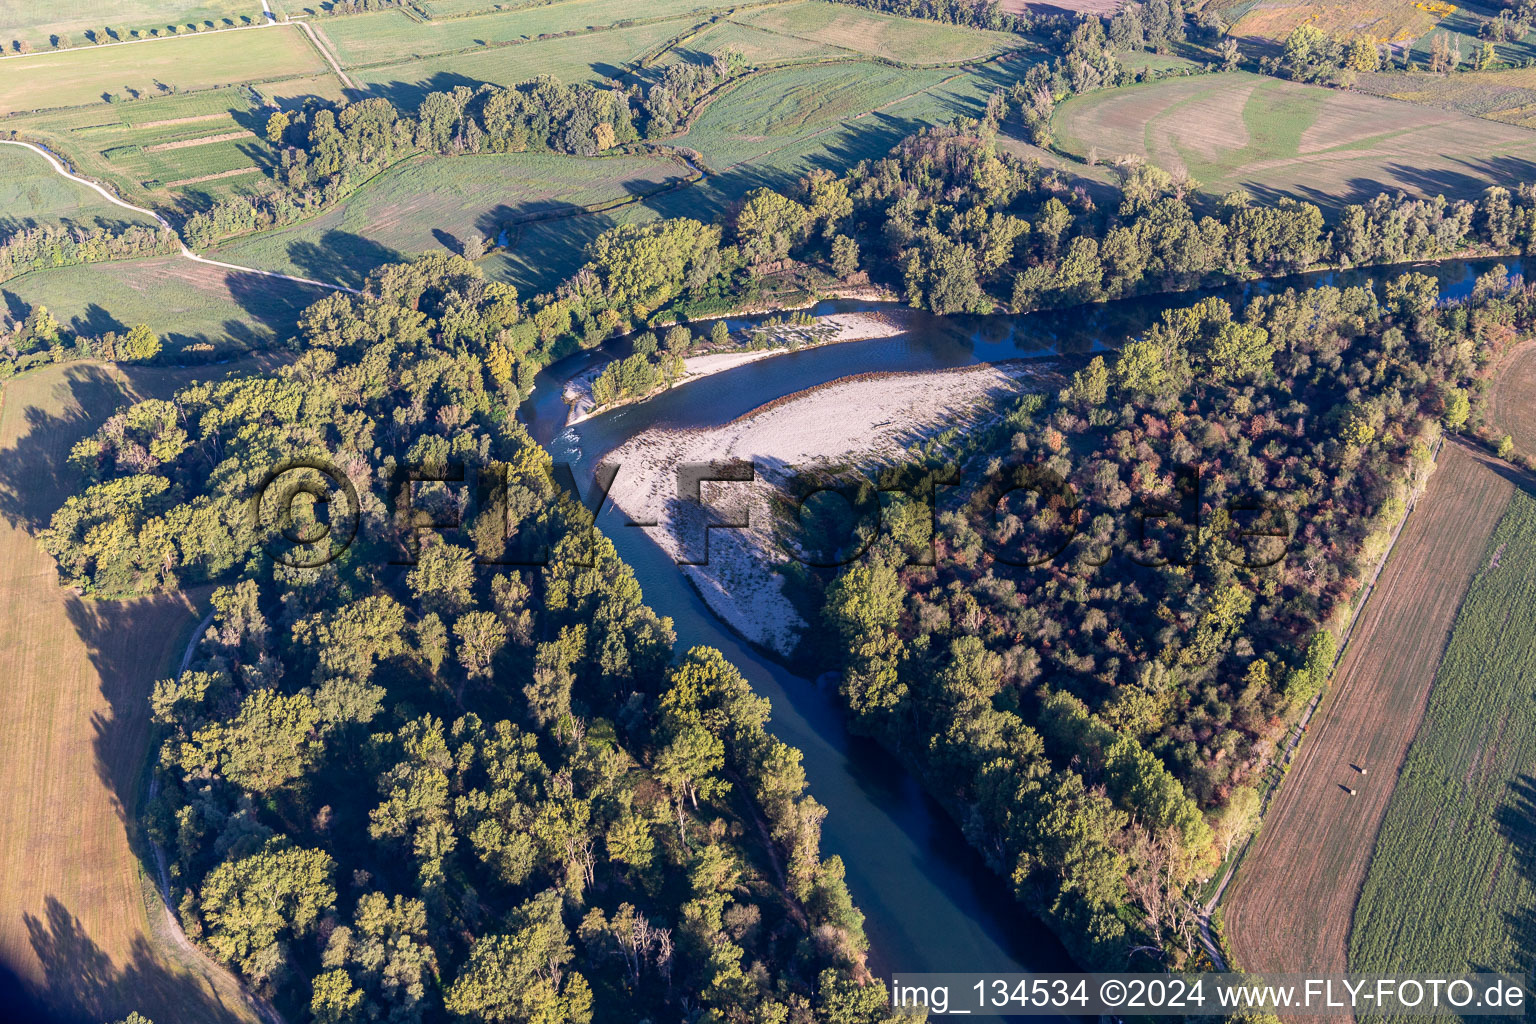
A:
(1098, 664)
(415, 782)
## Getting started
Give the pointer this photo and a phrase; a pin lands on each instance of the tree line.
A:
(51, 245)
(419, 783)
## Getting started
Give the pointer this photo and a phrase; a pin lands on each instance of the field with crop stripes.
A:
(74, 724)
(1452, 883)
(1290, 906)
(880, 35)
(1274, 137)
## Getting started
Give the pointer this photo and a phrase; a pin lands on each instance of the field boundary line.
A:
(314, 35)
(185, 252)
(1299, 732)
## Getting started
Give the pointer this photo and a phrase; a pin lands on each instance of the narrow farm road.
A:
(317, 38)
(188, 253)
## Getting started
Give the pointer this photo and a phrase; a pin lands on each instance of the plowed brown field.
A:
(1291, 906)
(74, 724)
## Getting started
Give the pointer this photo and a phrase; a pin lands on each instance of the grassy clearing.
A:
(1452, 883)
(428, 203)
(591, 57)
(116, 143)
(882, 35)
(390, 36)
(186, 303)
(74, 722)
(1290, 906)
(86, 76)
(37, 23)
(1269, 136)
(33, 194)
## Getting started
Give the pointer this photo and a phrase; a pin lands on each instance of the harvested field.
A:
(882, 35)
(1513, 406)
(1103, 8)
(74, 723)
(1387, 21)
(85, 76)
(1507, 96)
(392, 36)
(1292, 901)
(1281, 138)
(1452, 881)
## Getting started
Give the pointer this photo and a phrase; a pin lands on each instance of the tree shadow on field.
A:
(341, 257)
(34, 476)
(1516, 820)
(82, 985)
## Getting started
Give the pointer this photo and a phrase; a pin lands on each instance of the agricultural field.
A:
(1290, 906)
(32, 195)
(188, 304)
(1512, 411)
(881, 35)
(1453, 880)
(37, 24)
(781, 123)
(74, 722)
(429, 203)
(589, 57)
(144, 149)
(1508, 96)
(757, 46)
(87, 76)
(292, 92)
(1389, 21)
(389, 37)
(1281, 138)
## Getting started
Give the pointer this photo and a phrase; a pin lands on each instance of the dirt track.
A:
(1293, 902)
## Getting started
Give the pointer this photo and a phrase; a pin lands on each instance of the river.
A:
(929, 901)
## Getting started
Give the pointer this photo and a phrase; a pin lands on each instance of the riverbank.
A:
(788, 337)
(859, 421)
